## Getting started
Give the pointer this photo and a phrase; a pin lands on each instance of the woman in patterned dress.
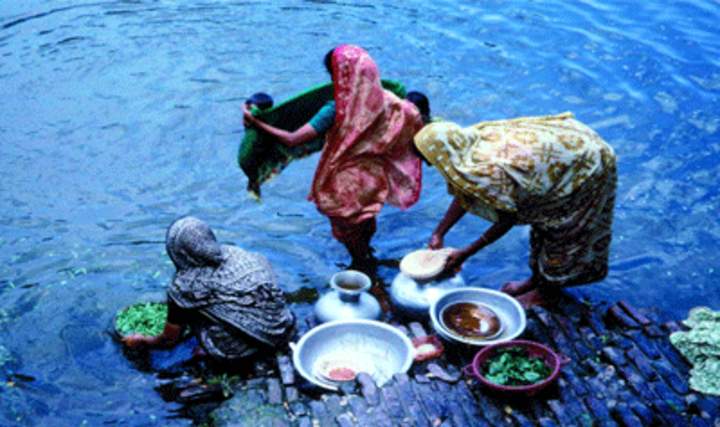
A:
(368, 159)
(552, 172)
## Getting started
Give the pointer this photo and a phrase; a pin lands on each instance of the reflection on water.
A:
(119, 116)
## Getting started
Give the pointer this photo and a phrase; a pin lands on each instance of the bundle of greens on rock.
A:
(701, 346)
(143, 318)
(514, 367)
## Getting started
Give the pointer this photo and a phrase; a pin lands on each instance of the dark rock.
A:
(634, 313)
(654, 331)
(287, 372)
(368, 389)
(641, 362)
(669, 413)
(321, 414)
(298, 409)
(201, 393)
(562, 415)
(617, 315)
(680, 364)
(360, 409)
(521, 420)
(614, 356)
(706, 406)
(546, 422)
(274, 395)
(576, 383)
(637, 383)
(665, 393)
(417, 330)
(468, 403)
(700, 422)
(291, 394)
(391, 402)
(427, 399)
(423, 379)
(597, 408)
(597, 325)
(348, 387)
(673, 327)
(345, 420)
(645, 344)
(436, 371)
(624, 416)
(644, 413)
(334, 405)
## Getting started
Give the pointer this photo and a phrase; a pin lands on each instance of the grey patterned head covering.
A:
(236, 291)
(191, 243)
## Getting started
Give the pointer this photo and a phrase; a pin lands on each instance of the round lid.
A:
(424, 264)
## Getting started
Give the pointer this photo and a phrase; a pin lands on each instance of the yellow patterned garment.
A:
(552, 172)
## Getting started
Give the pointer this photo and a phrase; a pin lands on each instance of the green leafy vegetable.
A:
(143, 318)
(701, 346)
(513, 366)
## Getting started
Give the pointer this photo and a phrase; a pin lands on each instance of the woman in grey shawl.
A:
(227, 296)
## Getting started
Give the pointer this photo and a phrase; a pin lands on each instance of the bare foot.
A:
(519, 287)
(533, 297)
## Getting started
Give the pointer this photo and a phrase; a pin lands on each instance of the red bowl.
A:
(553, 360)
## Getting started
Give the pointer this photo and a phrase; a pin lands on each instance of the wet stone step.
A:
(618, 375)
(625, 417)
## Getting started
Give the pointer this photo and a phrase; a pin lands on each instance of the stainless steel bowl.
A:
(364, 345)
(507, 308)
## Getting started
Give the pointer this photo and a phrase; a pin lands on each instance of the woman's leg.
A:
(355, 237)
(519, 287)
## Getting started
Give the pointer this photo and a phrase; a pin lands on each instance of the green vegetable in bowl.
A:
(143, 318)
(513, 367)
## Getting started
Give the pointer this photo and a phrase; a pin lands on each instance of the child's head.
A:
(421, 102)
(261, 100)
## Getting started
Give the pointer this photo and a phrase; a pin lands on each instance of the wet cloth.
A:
(552, 172)
(261, 157)
(235, 309)
(701, 346)
(368, 158)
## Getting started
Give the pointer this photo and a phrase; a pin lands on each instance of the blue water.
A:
(119, 116)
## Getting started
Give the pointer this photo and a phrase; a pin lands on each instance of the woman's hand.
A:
(454, 262)
(248, 118)
(436, 241)
(135, 341)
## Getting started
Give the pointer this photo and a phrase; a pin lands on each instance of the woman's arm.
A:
(452, 216)
(290, 139)
(497, 230)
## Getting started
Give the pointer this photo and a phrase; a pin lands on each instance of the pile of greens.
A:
(701, 346)
(513, 366)
(143, 318)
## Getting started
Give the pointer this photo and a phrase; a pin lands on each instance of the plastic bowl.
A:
(552, 360)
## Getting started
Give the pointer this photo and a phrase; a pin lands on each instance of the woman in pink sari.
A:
(368, 159)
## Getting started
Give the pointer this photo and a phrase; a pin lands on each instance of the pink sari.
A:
(368, 158)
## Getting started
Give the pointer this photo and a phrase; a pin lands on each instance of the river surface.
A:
(119, 116)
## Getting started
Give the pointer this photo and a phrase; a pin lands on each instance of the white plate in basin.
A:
(424, 264)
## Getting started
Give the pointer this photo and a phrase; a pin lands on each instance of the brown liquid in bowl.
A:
(471, 320)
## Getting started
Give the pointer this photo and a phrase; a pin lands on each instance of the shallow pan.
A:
(507, 308)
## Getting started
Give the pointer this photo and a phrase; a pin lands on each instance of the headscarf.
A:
(368, 158)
